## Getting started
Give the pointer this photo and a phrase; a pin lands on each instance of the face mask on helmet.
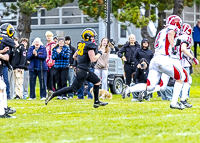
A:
(7, 29)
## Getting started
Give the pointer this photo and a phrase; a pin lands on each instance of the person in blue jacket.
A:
(196, 37)
(37, 68)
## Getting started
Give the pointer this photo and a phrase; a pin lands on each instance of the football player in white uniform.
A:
(185, 43)
(162, 63)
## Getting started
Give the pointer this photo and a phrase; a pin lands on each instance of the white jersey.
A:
(162, 45)
(184, 39)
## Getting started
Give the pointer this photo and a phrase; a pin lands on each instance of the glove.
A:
(100, 52)
(196, 62)
(174, 50)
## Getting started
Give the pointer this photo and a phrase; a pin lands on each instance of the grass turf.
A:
(121, 121)
(76, 121)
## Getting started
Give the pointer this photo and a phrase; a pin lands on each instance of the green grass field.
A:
(122, 121)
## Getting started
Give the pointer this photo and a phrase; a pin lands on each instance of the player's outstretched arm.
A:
(92, 56)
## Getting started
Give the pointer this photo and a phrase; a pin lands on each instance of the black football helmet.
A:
(7, 29)
(87, 33)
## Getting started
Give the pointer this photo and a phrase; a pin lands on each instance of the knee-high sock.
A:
(2, 110)
(137, 87)
(177, 89)
(185, 89)
(96, 93)
(62, 91)
(5, 98)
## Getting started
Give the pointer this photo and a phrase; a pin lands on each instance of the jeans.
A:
(5, 78)
(43, 87)
(70, 79)
(167, 94)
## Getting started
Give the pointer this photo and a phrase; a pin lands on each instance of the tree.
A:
(130, 11)
(26, 8)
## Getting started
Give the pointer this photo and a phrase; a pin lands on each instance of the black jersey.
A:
(5, 42)
(83, 60)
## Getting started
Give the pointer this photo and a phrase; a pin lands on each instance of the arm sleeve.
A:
(135, 56)
(121, 51)
(136, 75)
(23, 57)
(43, 56)
(30, 54)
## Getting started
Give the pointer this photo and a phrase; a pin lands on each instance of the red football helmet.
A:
(174, 20)
(169, 18)
(187, 29)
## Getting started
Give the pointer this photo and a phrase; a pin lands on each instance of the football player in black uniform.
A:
(87, 52)
(7, 31)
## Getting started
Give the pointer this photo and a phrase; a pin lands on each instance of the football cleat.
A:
(7, 116)
(177, 106)
(125, 91)
(8, 110)
(49, 97)
(187, 105)
(96, 105)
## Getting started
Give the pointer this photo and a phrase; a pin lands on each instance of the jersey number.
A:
(81, 48)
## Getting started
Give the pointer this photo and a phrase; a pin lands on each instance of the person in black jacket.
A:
(71, 62)
(18, 64)
(143, 52)
(24, 41)
(127, 53)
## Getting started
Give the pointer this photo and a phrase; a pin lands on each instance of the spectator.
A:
(127, 55)
(61, 54)
(18, 64)
(143, 52)
(141, 76)
(50, 63)
(168, 92)
(55, 39)
(71, 61)
(115, 49)
(196, 37)
(24, 41)
(37, 55)
(101, 67)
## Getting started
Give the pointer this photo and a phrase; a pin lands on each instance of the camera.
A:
(142, 65)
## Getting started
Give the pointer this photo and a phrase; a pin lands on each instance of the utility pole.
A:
(108, 18)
